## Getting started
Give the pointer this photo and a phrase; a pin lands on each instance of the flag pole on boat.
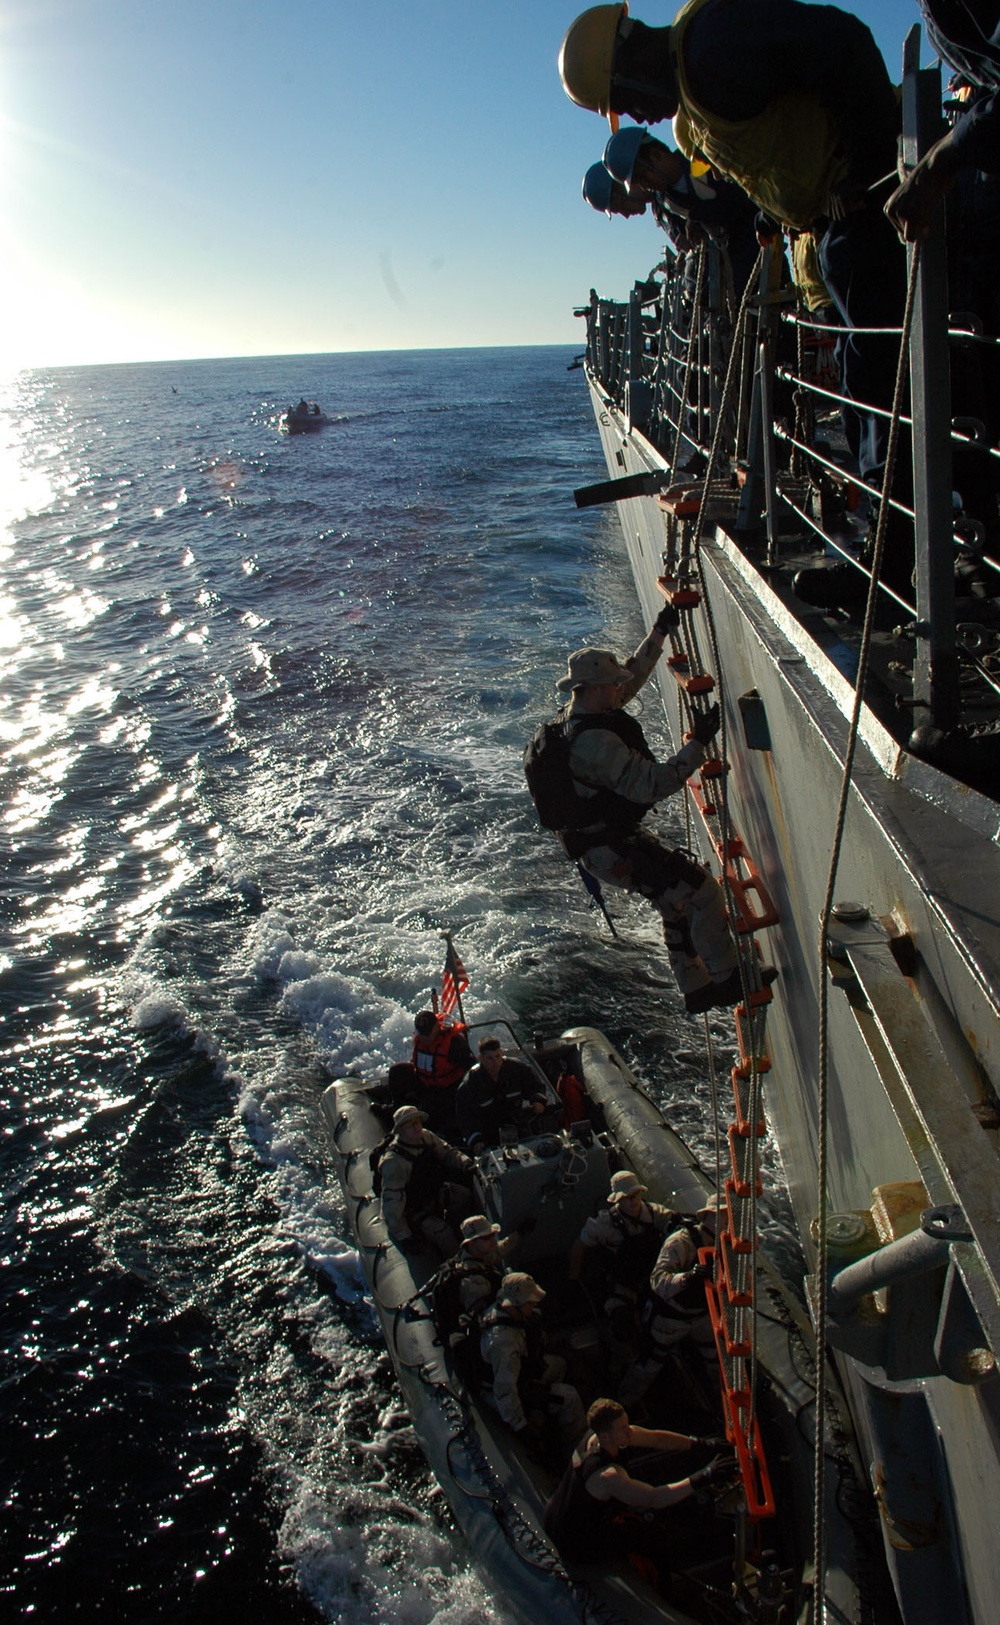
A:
(454, 981)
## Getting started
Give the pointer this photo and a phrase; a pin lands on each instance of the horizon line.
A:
(18, 369)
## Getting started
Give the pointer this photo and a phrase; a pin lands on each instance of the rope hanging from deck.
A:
(732, 1292)
(819, 1519)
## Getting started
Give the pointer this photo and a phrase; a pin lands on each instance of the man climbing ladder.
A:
(593, 779)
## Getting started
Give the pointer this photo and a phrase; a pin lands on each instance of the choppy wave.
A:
(264, 704)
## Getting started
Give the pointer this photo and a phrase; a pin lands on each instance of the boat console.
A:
(559, 1179)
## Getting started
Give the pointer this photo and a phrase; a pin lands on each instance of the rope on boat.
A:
(819, 1515)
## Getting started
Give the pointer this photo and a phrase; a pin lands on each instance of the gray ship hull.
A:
(914, 1047)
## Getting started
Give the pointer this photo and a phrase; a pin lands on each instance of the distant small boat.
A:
(303, 418)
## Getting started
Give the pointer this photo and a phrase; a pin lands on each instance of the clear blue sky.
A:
(246, 177)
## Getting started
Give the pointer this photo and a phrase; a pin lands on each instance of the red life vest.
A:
(570, 1092)
(430, 1056)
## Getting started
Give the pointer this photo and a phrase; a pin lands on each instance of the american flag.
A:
(454, 981)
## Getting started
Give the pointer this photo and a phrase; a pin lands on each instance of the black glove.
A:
(668, 620)
(706, 725)
(718, 1467)
(525, 1226)
(710, 1443)
(703, 1272)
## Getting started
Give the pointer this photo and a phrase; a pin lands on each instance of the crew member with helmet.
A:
(526, 1387)
(677, 1308)
(792, 102)
(622, 1241)
(425, 1186)
(592, 768)
(638, 160)
(610, 197)
(587, 1518)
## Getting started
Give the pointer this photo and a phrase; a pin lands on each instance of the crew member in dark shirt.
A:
(584, 1517)
(498, 1093)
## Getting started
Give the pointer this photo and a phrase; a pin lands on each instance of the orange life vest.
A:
(430, 1056)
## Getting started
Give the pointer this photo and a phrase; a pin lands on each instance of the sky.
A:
(183, 178)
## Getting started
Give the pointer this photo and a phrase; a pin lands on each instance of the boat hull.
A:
(914, 1029)
(496, 1492)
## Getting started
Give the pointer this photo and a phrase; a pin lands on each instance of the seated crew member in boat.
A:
(441, 1058)
(599, 1512)
(526, 1387)
(793, 102)
(468, 1284)
(594, 778)
(426, 1186)
(677, 1307)
(622, 1242)
(499, 1093)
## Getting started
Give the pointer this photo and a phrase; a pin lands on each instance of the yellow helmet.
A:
(586, 57)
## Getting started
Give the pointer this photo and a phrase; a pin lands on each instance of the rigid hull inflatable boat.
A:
(750, 1560)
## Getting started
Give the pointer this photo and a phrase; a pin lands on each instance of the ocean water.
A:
(263, 705)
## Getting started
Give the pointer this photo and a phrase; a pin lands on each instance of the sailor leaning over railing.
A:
(967, 36)
(709, 205)
(793, 102)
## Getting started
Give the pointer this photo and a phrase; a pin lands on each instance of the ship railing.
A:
(953, 669)
(661, 356)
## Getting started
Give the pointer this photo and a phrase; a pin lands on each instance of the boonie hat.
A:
(477, 1226)
(711, 1204)
(593, 666)
(623, 1184)
(518, 1289)
(407, 1114)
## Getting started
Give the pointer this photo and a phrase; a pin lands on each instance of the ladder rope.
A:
(819, 1518)
(733, 1289)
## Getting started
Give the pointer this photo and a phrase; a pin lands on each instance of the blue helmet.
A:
(622, 151)
(597, 185)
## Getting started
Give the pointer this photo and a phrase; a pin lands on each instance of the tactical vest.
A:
(690, 1302)
(575, 1521)
(430, 1057)
(423, 1188)
(559, 803)
(786, 157)
(533, 1363)
(451, 1320)
(637, 1254)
